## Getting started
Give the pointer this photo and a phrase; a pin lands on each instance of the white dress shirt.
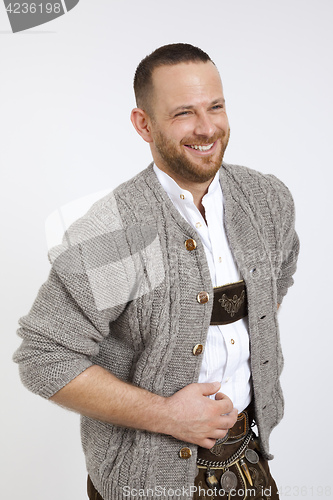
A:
(226, 356)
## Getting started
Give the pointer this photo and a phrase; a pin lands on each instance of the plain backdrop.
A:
(66, 96)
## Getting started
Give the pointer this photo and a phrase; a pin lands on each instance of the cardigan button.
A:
(203, 297)
(190, 244)
(185, 452)
(198, 349)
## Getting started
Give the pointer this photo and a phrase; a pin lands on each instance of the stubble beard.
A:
(182, 166)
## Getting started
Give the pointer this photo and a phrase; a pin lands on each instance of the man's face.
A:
(189, 126)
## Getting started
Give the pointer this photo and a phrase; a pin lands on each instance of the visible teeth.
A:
(203, 148)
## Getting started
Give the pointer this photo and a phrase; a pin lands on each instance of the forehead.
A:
(191, 83)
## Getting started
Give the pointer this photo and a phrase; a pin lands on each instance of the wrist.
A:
(159, 415)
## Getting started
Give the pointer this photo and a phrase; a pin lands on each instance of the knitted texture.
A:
(122, 294)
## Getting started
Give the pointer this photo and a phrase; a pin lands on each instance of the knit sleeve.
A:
(58, 340)
(88, 288)
(288, 241)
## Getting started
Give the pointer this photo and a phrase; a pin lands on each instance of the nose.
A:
(204, 125)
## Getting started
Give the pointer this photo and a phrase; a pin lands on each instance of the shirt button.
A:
(227, 380)
(197, 349)
(220, 260)
(232, 341)
(185, 452)
(203, 297)
(198, 224)
(190, 244)
(182, 197)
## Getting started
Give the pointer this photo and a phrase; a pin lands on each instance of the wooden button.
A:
(203, 297)
(185, 452)
(190, 244)
(197, 349)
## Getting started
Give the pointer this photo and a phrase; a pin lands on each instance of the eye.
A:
(182, 113)
(218, 106)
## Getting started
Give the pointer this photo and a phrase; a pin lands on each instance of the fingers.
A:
(227, 421)
(207, 443)
(219, 429)
(224, 407)
(211, 441)
(209, 388)
(224, 403)
(220, 395)
(194, 418)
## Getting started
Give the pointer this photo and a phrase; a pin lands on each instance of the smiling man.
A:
(188, 125)
(157, 297)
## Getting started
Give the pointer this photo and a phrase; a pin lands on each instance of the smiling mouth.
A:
(200, 148)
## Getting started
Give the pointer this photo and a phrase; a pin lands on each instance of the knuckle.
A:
(226, 406)
(233, 416)
(229, 406)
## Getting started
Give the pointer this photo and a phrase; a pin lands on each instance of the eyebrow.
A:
(189, 107)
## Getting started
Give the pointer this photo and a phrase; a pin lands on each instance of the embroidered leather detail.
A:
(233, 305)
(217, 449)
(230, 303)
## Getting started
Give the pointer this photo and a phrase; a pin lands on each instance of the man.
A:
(156, 298)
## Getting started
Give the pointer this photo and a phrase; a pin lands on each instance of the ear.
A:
(142, 124)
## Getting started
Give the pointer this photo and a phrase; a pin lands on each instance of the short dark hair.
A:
(167, 55)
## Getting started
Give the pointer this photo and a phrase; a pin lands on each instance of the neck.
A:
(197, 189)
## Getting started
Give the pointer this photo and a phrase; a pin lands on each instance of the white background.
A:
(66, 96)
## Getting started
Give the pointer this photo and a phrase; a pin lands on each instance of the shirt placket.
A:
(214, 215)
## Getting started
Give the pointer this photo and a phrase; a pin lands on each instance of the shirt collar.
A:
(174, 191)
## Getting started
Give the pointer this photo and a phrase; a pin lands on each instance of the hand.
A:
(194, 418)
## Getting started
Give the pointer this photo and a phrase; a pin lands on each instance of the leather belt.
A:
(230, 303)
(242, 425)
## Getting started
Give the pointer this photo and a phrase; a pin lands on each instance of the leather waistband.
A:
(242, 425)
(240, 428)
(230, 303)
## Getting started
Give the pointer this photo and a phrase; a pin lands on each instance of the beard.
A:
(201, 171)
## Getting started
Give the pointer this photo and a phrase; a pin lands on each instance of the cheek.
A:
(186, 132)
(226, 123)
(222, 122)
(177, 139)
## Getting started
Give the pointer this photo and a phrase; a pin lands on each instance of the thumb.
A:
(209, 388)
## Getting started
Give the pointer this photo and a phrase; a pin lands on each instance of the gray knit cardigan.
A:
(122, 294)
